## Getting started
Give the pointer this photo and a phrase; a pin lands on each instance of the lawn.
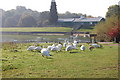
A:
(85, 30)
(36, 29)
(42, 29)
(99, 63)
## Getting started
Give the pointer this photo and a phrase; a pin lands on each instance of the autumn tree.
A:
(114, 32)
(110, 29)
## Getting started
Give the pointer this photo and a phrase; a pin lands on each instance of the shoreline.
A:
(56, 33)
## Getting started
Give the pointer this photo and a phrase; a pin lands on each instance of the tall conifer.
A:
(53, 18)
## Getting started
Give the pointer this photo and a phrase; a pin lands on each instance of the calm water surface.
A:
(40, 38)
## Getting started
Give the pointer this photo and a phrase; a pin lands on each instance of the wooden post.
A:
(90, 39)
(93, 38)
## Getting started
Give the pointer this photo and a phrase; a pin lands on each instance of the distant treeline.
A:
(22, 17)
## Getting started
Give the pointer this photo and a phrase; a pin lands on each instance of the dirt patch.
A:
(105, 42)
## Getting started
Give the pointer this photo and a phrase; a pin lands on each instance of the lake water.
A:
(40, 38)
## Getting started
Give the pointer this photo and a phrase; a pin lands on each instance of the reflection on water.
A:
(41, 38)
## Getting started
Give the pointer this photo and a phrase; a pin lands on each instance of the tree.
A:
(113, 10)
(53, 18)
(101, 30)
(20, 9)
(1, 17)
(114, 32)
(10, 22)
(27, 20)
(110, 29)
(13, 17)
(43, 18)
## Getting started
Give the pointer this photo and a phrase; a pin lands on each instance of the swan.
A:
(68, 48)
(31, 48)
(82, 48)
(45, 52)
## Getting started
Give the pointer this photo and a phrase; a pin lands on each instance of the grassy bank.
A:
(41, 29)
(99, 63)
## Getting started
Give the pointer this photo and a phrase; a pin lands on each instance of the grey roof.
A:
(96, 19)
(66, 20)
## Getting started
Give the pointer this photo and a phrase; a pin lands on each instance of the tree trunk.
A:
(116, 39)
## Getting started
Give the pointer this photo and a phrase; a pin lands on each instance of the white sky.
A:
(89, 7)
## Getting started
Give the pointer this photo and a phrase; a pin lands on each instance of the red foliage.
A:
(114, 31)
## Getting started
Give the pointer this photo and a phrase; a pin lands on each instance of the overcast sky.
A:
(89, 7)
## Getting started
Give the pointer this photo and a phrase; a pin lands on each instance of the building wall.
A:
(71, 24)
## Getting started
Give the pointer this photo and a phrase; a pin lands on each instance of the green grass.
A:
(36, 29)
(42, 29)
(99, 63)
(85, 30)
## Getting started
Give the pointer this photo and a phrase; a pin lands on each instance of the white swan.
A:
(82, 48)
(37, 48)
(30, 48)
(64, 44)
(75, 41)
(59, 46)
(68, 48)
(96, 45)
(45, 52)
(74, 46)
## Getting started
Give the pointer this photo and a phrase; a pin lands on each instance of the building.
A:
(85, 22)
